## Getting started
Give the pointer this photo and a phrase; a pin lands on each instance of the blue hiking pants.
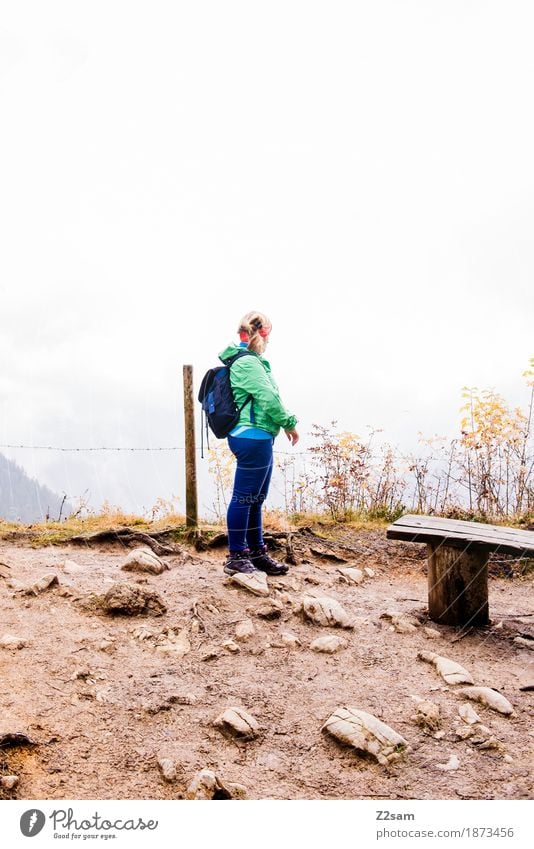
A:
(251, 485)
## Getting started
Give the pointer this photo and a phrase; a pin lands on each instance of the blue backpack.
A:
(219, 409)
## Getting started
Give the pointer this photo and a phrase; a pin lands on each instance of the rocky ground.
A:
(118, 692)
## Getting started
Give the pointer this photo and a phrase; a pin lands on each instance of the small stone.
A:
(237, 791)
(41, 585)
(314, 579)
(270, 611)
(230, 646)
(402, 623)
(452, 764)
(143, 632)
(8, 782)
(70, 567)
(81, 674)
(328, 644)
(168, 768)
(439, 735)
(428, 714)
(9, 641)
(144, 560)
(130, 600)
(370, 573)
(286, 598)
(207, 785)
(353, 575)
(508, 759)
(182, 699)
(522, 641)
(244, 630)
(478, 735)
(239, 722)
(177, 645)
(270, 761)
(431, 633)
(325, 611)
(468, 715)
(254, 582)
(210, 654)
(10, 738)
(290, 639)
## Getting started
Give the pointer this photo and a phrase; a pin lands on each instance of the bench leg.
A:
(458, 585)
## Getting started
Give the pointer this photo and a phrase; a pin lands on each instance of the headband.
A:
(258, 326)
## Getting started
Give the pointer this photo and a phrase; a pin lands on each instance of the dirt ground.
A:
(102, 700)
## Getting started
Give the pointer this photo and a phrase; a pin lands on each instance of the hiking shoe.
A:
(239, 561)
(261, 560)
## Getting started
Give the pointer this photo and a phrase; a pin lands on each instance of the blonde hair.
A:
(252, 323)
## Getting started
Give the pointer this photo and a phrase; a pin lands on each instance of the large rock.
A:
(489, 697)
(365, 732)
(132, 600)
(450, 671)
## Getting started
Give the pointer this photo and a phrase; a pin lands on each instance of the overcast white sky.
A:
(361, 171)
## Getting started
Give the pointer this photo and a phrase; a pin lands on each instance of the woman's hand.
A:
(292, 435)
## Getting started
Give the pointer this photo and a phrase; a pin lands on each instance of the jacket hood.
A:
(232, 350)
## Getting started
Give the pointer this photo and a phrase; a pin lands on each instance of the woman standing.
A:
(251, 442)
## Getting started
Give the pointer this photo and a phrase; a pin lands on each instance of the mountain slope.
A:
(24, 499)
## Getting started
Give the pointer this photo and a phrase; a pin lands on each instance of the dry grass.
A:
(54, 533)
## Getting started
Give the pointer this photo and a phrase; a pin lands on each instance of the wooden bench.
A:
(458, 555)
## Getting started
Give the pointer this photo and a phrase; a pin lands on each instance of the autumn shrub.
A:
(485, 473)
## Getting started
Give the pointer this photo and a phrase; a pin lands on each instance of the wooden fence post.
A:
(191, 501)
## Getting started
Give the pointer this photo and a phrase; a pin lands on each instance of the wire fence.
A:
(123, 448)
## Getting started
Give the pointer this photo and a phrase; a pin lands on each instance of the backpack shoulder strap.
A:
(230, 363)
(237, 356)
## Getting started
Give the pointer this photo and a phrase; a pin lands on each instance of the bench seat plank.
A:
(453, 532)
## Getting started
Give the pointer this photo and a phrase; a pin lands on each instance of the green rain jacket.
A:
(251, 375)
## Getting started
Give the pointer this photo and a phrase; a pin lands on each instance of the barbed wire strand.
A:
(120, 448)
